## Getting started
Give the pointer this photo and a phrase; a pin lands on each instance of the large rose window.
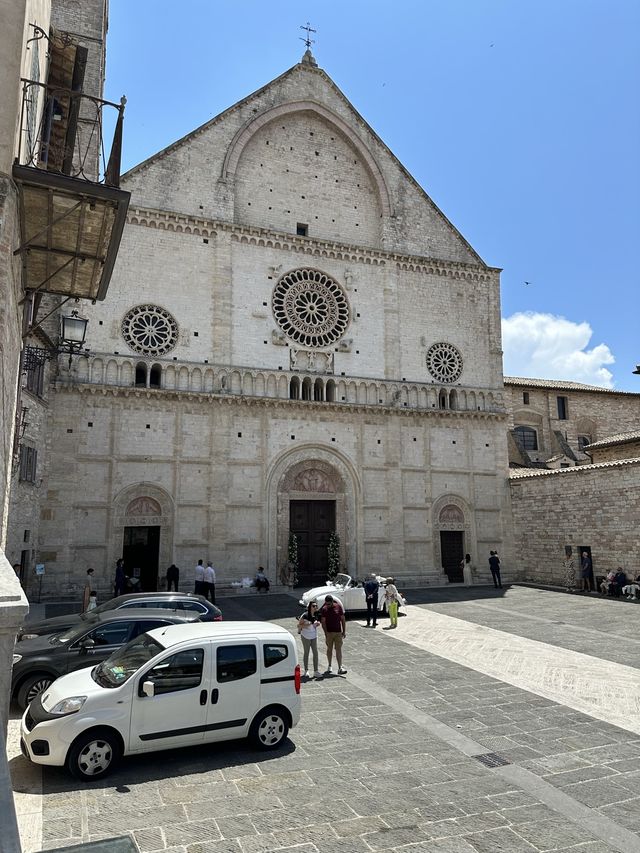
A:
(149, 330)
(310, 308)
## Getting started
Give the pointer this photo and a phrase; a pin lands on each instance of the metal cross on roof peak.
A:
(308, 40)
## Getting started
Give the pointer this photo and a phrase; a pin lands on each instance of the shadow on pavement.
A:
(158, 766)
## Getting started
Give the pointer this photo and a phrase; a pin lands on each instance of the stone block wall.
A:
(596, 506)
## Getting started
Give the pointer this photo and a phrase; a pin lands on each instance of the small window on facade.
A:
(235, 663)
(302, 230)
(583, 441)
(526, 437)
(525, 398)
(563, 408)
(565, 465)
(28, 464)
(155, 375)
(35, 379)
(274, 654)
(141, 374)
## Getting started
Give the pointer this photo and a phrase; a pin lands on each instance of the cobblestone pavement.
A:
(387, 758)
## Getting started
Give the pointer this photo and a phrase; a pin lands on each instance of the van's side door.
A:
(234, 697)
(177, 712)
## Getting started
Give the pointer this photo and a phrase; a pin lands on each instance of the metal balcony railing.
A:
(64, 131)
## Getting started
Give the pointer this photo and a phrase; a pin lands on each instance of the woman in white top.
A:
(308, 630)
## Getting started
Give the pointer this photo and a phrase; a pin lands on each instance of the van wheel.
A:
(269, 729)
(31, 687)
(93, 755)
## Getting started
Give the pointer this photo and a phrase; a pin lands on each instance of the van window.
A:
(235, 662)
(181, 671)
(274, 654)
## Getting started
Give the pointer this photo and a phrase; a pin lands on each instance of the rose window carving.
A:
(444, 362)
(310, 307)
(149, 330)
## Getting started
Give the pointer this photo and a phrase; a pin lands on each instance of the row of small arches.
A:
(256, 383)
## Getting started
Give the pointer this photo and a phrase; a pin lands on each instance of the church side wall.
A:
(578, 507)
(213, 460)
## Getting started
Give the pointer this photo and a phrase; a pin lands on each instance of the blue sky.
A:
(518, 117)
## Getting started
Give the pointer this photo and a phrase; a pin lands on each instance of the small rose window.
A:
(444, 362)
(150, 330)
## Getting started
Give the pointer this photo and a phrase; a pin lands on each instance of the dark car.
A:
(39, 661)
(179, 602)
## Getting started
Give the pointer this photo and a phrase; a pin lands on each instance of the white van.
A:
(180, 685)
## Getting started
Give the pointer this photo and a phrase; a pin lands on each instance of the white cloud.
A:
(543, 346)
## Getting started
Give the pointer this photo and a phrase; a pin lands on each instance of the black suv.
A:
(178, 602)
(39, 661)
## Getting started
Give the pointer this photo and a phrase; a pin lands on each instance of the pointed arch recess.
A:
(245, 133)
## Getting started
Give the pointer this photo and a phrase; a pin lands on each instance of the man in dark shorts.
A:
(335, 630)
(585, 571)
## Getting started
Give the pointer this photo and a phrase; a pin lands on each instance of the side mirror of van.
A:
(148, 688)
(86, 646)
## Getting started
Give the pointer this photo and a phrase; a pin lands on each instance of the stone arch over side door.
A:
(143, 505)
(452, 513)
(304, 474)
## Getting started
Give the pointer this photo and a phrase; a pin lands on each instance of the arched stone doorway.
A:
(453, 529)
(313, 491)
(142, 533)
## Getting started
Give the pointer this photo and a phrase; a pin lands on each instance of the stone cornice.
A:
(203, 398)
(198, 226)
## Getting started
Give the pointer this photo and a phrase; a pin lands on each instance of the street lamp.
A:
(73, 330)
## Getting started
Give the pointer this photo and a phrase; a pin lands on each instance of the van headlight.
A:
(16, 658)
(28, 636)
(69, 706)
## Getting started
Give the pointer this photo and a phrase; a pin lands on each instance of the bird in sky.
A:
(527, 283)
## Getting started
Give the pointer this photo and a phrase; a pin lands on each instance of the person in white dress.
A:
(467, 570)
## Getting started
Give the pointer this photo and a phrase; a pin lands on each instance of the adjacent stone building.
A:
(296, 340)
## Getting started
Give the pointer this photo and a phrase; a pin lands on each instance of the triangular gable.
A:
(412, 210)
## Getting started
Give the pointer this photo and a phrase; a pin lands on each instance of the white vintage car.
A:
(348, 592)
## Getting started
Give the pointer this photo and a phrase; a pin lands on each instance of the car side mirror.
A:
(86, 646)
(148, 688)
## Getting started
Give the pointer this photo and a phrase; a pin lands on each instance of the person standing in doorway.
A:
(173, 577)
(88, 589)
(120, 582)
(335, 631)
(494, 565)
(371, 592)
(467, 570)
(210, 583)
(199, 587)
(585, 571)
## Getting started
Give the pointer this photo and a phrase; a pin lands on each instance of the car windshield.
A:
(342, 580)
(121, 665)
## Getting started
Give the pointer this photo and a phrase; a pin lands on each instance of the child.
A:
(93, 600)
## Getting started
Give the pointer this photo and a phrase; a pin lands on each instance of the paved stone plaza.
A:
(387, 758)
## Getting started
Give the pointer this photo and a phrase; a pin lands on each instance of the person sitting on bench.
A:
(261, 582)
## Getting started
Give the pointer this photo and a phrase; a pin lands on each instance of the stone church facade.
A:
(295, 339)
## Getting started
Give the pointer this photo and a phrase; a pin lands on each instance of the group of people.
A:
(330, 617)
(468, 569)
(205, 581)
(618, 584)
